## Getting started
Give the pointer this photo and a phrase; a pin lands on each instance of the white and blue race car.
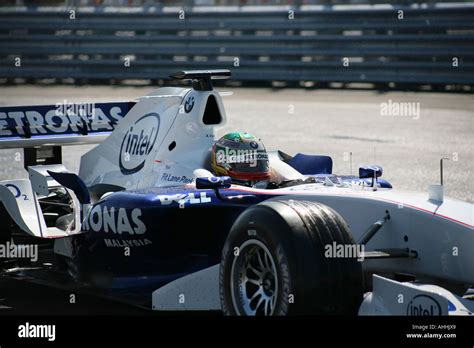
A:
(145, 219)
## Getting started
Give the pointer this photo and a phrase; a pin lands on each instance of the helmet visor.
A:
(260, 166)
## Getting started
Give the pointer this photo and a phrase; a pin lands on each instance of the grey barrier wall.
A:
(401, 44)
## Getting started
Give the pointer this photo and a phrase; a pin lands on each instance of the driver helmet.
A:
(241, 156)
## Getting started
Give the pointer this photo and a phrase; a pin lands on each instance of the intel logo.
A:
(423, 305)
(138, 143)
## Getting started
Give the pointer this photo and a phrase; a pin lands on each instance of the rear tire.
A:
(273, 262)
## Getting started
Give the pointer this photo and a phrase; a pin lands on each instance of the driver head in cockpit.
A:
(241, 156)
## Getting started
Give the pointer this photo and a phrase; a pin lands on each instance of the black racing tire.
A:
(289, 238)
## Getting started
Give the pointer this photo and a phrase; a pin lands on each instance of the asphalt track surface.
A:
(330, 122)
(24, 298)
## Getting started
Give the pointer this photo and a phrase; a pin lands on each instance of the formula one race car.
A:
(146, 220)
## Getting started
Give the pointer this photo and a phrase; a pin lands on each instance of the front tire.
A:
(273, 262)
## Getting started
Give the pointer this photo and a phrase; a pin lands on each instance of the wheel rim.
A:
(254, 280)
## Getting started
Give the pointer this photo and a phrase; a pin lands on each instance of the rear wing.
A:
(60, 124)
(41, 130)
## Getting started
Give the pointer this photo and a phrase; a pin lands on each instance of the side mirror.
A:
(370, 172)
(213, 182)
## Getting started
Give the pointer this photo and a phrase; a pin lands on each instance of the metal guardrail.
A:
(432, 45)
(190, 3)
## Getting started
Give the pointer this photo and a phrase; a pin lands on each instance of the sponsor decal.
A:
(122, 243)
(138, 142)
(183, 198)
(28, 330)
(17, 192)
(114, 220)
(173, 178)
(189, 104)
(14, 189)
(424, 305)
(62, 118)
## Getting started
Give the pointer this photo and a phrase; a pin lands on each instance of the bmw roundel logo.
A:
(213, 179)
(189, 103)
(253, 145)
